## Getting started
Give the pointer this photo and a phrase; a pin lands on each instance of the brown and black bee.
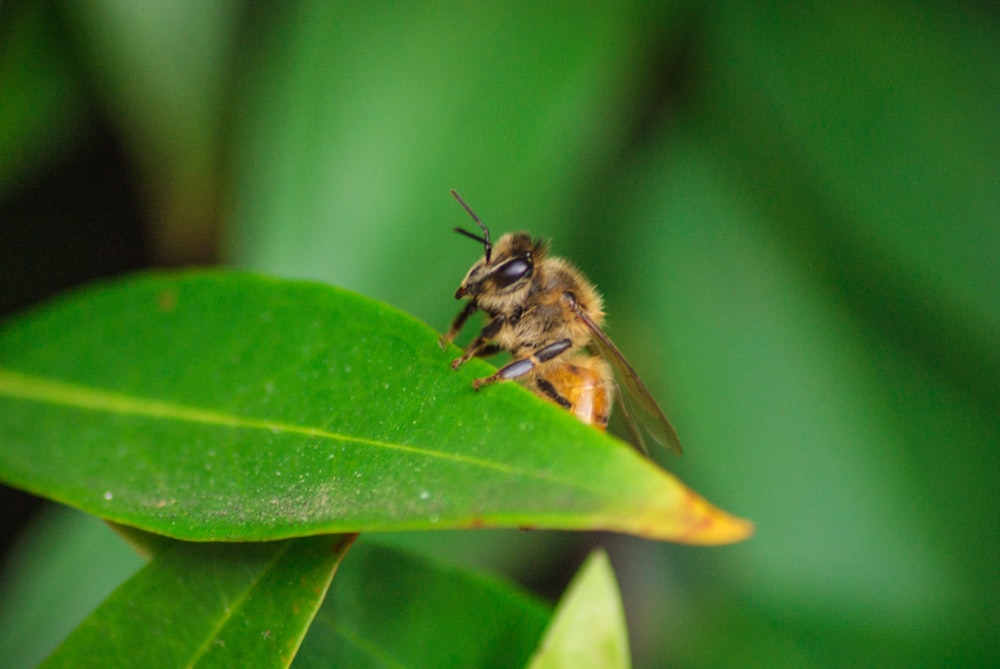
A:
(548, 316)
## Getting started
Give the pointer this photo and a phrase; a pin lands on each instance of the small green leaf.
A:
(206, 605)
(388, 608)
(588, 629)
(215, 406)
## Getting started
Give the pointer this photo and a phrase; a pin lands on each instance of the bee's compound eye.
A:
(512, 271)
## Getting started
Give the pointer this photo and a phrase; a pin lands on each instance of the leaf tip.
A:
(683, 516)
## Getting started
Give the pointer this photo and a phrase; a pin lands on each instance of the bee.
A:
(548, 316)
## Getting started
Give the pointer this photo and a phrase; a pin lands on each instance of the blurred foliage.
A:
(792, 211)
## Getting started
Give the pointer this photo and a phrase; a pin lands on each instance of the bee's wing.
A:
(634, 432)
(634, 399)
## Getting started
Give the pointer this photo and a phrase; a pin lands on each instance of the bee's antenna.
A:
(487, 244)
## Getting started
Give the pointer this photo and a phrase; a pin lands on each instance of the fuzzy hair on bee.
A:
(549, 317)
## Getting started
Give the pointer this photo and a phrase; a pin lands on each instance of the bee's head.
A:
(505, 269)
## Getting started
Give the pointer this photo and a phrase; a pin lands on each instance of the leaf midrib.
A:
(39, 389)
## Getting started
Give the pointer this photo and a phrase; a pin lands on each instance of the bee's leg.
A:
(483, 351)
(479, 344)
(522, 366)
(456, 325)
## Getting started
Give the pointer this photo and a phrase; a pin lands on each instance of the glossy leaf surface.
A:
(211, 406)
(213, 605)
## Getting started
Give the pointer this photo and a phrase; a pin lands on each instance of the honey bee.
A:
(548, 316)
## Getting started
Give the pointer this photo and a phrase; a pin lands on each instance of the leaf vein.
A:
(34, 388)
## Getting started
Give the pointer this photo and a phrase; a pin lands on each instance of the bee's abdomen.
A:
(581, 386)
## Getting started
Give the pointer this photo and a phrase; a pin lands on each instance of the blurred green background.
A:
(793, 211)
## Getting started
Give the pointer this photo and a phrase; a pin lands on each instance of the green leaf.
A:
(588, 629)
(388, 608)
(58, 572)
(204, 605)
(213, 406)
